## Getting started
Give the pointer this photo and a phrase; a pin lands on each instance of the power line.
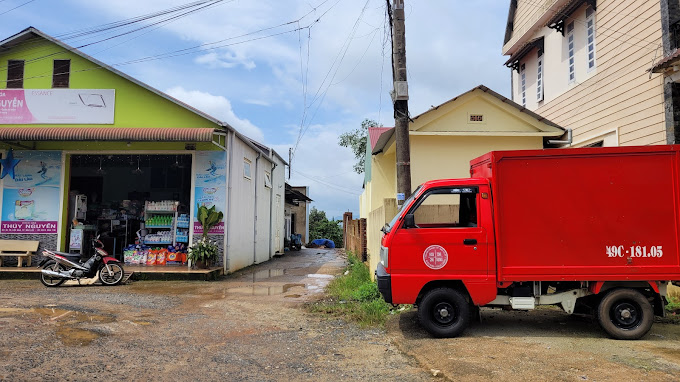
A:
(18, 6)
(201, 47)
(340, 56)
(329, 185)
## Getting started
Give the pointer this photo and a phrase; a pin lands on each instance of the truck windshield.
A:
(388, 227)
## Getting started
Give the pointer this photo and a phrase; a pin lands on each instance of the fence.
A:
(355, 235)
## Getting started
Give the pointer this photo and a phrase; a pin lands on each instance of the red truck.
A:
(592, 230)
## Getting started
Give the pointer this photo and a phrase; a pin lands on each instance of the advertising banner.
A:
(57, 106)
(30, 195)
(210, 186)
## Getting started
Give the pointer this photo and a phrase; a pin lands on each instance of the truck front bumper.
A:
(384, 283)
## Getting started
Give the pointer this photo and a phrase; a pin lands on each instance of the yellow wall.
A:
(449, 157)
(442, 144)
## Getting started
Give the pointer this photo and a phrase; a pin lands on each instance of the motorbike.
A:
(57, 267)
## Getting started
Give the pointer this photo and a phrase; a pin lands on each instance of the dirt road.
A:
(540, 345)
(251, 326)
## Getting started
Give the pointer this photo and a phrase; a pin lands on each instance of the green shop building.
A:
(87, 150)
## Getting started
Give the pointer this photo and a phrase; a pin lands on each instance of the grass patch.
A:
(355, 297)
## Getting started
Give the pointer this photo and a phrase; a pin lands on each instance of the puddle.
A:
(76, 337)
(287, 287)
(259, 290)
(67, 321)
(320, 276)
(267, 274)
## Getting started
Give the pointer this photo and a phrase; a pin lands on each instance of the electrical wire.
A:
(18, 6)
(329, 185)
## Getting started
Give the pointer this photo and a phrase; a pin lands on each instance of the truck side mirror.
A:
(409, 221)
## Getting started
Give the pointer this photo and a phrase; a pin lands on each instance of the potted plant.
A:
(203, 252)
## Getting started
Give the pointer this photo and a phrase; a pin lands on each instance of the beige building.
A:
(443, 140)
(605, 69)
(296, 212)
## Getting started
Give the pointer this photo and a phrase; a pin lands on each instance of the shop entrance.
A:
(129, 200)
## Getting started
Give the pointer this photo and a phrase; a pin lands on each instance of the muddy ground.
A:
(253, 325)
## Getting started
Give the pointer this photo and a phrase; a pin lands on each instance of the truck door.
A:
(444, 236)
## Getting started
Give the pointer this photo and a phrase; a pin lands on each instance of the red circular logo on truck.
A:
(435, 257)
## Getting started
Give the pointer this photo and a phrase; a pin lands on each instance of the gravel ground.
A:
(250, 326)
(540, 345)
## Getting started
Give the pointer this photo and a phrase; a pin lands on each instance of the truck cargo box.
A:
(585, 214)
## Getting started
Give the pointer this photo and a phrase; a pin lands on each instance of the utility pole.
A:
(400, 100)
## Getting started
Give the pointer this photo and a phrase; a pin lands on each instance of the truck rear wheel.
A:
(444, 312)
(625, 314)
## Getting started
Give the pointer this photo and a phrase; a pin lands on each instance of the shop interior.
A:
(133, 202)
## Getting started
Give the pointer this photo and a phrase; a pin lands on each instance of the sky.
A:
(289, 74)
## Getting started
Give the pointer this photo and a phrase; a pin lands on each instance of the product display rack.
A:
(164, 210)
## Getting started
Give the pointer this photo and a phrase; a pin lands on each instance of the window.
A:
(447, 208)
(523, 80)
(539, 77)
(267, 179)
(60, 73)
(15, 74)
(570, 51)
(246, 168)
(590, 33)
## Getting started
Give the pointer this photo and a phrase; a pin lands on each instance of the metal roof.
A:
(374, 134)
(124, 134)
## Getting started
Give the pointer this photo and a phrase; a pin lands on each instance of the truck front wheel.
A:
(444, 312)
(625, 314)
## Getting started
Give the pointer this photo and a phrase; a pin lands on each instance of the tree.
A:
(356, 140)
(322, 228)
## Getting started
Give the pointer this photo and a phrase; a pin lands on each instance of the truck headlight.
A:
(383, 256)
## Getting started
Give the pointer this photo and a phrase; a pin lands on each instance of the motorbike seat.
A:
(75, 257)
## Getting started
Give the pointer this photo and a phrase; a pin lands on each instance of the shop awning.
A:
(121, 134)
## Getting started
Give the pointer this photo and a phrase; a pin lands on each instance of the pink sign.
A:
(29, 227)
(217, 229)
(13, 107)
(435, 257)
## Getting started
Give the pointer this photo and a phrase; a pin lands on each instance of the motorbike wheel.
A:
(114, 278)
(49, 281)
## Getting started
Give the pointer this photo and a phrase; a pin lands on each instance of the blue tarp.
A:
(325, 242)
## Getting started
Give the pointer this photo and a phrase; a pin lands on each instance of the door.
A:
(446, 238)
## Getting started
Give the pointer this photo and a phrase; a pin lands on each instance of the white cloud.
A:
(218, 107)
(225, 60)
(326, 168)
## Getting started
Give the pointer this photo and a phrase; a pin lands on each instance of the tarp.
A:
(324, 242)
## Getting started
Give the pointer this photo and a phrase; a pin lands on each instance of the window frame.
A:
(590, 45)
(571, 59)
(17, 83)
(58, 81)
(449, 190)
(540, 77)
(247, 168)
(523, 83)
(268, 179)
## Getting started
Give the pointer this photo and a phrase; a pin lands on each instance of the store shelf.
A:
(159, 226)
(161, 211)
(183, 225)
(157, 242)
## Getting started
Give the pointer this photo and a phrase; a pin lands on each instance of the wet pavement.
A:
(251, 325)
